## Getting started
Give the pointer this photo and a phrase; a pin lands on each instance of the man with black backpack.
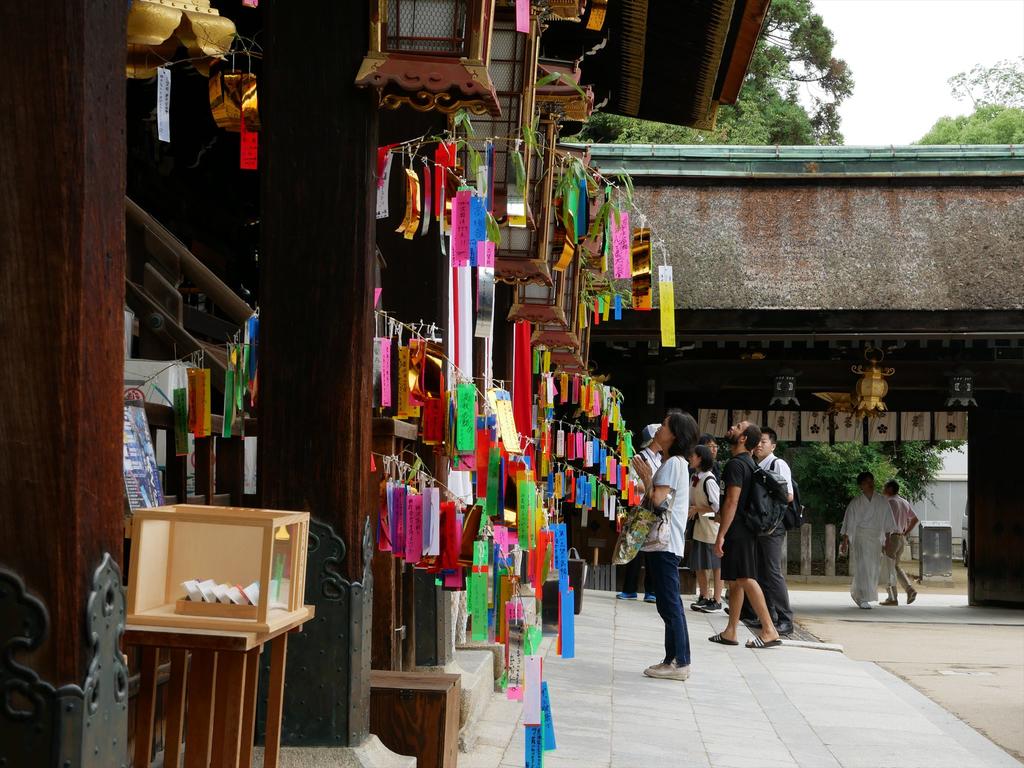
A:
(752, 506)
(769, 545)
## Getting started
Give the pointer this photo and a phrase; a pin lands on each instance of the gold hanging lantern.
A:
(866, 398)
(872, 387)
(156, 28)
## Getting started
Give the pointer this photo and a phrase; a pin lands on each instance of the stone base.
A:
(498, 651)
(370, 754)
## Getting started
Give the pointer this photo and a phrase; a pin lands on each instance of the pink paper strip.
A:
(414, 529)
(460, 228)
(385, 372)
(485, 253)
(523, 16)
(621, 250)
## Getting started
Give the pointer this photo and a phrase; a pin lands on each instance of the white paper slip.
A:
(252, 593)
(531, 694)
(236, 596)
(163, 104)
(221, 591)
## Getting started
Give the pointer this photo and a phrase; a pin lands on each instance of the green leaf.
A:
(564, 78)
(493, 231)
(463, 122)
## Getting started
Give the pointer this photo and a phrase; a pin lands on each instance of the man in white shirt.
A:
(906, 519)
(769, 547)
(867, 521)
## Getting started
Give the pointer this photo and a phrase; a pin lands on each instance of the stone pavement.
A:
(787, 707)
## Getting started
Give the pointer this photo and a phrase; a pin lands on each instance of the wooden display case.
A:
(231, 545)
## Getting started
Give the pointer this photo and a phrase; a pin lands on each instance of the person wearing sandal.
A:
(737, 544)
(669, 496)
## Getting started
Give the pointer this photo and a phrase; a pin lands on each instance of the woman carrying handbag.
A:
(668, 497)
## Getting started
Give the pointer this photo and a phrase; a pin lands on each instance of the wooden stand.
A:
(213, 675)
(417, 714)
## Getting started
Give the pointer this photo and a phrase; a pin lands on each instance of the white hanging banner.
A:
(784, 423)
(849, 428)
(882, 429)
(713, 422)
(951, 425)
(754, 417)
(163, 104)
(814, 427)
(915, 425)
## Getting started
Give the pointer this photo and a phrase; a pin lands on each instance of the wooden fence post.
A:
(805, 549)
(830, 550)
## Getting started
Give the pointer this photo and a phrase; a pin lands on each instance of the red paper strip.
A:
(248, 159)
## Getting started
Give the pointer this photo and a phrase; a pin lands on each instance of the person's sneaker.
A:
(649, 672)
(668, 671)
(650, 598)
(865, 605)
(890, 601)
(711, 606)
(911, 596)
(699, 605)
(626, 596)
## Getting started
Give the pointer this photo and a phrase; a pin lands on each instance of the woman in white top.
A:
(670, 487)
(705, 497)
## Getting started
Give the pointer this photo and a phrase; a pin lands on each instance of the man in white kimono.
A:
(868, 520)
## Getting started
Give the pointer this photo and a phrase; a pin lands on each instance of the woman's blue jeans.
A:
(664, 566)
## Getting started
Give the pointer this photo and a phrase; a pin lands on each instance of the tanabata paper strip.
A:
(534, 741)
(384, 187)
(514, 651)
(666, 300)
(385, 372)
(465, 412)
(566, 624)
(545, 713)
(414, 528)
(484, 325)
(621, 244)
(531, 699)
(181, 421)
(461, 224)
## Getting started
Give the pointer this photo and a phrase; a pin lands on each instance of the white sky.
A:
(902, 52)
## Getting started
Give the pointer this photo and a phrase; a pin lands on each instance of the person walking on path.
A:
(905, 519)
(631, 575)
(867, 521)
(704, 506)
(669, 492)
(736, 543)
(769, 546)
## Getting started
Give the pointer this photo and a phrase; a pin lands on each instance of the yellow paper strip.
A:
(667, 298)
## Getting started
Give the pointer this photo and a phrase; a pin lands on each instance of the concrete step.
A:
(477, 670)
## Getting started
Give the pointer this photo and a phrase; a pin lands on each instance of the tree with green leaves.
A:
(793, 58)
(827, 474)
(998, 96)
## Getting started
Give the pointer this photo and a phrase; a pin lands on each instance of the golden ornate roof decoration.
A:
(156, 28)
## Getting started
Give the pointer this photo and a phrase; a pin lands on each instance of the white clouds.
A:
(902, 52)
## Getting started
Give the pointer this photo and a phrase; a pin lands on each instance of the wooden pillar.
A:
(318, 149)
(805, 549)
(62, 151)
(318, 158)
(830, 550)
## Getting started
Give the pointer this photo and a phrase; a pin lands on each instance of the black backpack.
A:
(794, 516)
(767, 502)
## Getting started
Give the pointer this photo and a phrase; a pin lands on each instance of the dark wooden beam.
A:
(784, 324)
(62, 152)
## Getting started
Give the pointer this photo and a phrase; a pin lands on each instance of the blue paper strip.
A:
(534, 746)
(547, 722)
(568, 603)
(618, 307)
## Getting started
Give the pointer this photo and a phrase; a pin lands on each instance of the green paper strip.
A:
(531, 643)
(181, 422)
(465, 414)
(493, 482)
(229, 401)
